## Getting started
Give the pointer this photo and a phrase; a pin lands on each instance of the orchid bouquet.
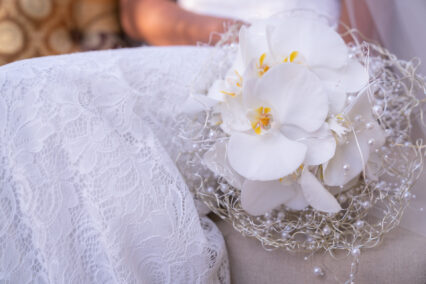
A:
(304, 134)
(298, 116)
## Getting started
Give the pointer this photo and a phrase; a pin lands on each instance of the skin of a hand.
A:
(163, 22)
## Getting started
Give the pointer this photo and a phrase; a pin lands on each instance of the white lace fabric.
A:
(89, 191)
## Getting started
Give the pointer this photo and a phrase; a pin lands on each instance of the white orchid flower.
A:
(355, 145)
(301, 188)
(296, 191)
(307, 42)
(277, 128)
(258, 147)
(357, 133)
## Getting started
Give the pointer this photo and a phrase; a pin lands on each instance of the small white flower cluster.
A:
(292, 129)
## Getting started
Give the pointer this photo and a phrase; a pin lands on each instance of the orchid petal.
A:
(288, 88)
(216, 160)
(252, 43)
(298, 202)
(197, 103)
(234, 116)
(257, 198)
(317, 42)
(351, 78)
(316, 195)
(336, 98)
(215, 91)
(264, 157)
(321, 143)
(352, 156)
(356, 152)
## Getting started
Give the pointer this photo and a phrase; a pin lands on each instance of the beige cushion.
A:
(400, 259)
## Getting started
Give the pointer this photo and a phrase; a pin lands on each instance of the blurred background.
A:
(30, 28)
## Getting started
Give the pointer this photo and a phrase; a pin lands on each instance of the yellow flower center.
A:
(262, 68)
(293, 176)
(232, 94)
(295, 57)
(291, 57)
(262, 120)
(297, 173)
(238, 83)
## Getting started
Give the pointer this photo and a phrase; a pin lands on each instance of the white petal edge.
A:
(233, 114)
(295, 94)
(252, 44)
(351, 78)
(216, 160)
(356, 153)
(316, 195)
(257, 198)
(196, 103)
(264, 157)
(319, 43)
(336, 98)
(321, 143)
(298, 202)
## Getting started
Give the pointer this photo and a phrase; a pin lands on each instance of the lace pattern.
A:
(89, 191)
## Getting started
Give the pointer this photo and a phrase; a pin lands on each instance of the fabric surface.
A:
(89, 191)
(249, 10)
(401, 258)
(30, 28)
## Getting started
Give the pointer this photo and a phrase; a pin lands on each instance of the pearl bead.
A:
(267, 215)
(342, 198)
(378, 110)
(407, 195)
(210, 189)
(224, 188)
(318, 271)
(346, 167)
(284, 235)
(369, 125)
(326, 230)
(359, 224)
(366, 204)
(358, 118)
(371, 142)
(355, 252)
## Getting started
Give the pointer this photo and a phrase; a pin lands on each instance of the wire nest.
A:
(371, 208)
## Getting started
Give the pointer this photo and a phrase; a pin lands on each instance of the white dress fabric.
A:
(89, 192)
(250, 10)
(89, 188)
